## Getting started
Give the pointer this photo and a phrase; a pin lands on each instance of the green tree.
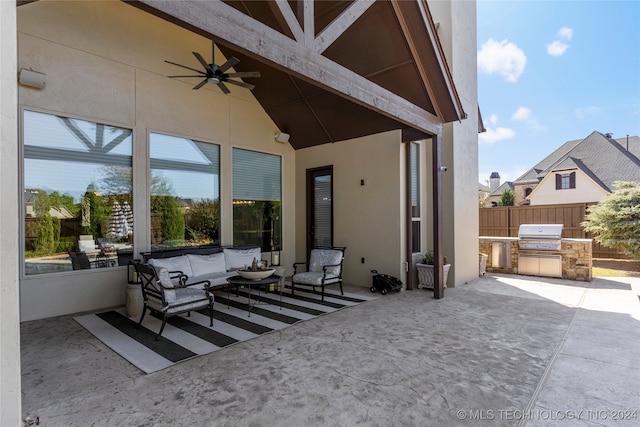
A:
(203, 220)
(97, 212)
(507, 198)
(615, 220)
(45, 243)
(171, 219)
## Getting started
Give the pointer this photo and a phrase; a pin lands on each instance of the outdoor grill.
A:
(540, 249)
(540, 237)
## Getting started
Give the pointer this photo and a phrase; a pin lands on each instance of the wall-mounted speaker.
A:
(32, 78)
(282, 137)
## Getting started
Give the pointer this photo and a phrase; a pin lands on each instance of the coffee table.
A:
(260, 285)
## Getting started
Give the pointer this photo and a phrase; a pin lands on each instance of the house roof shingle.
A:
(603, 159)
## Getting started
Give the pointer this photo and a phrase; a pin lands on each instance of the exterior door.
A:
(319, 208)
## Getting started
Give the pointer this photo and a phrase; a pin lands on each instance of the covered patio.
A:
(502, 350)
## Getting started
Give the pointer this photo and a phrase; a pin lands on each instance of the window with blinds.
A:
(76, 193)
(415, 197)
(257, 199)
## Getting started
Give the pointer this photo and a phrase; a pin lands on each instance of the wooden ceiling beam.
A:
(341, 24)
(415, 21)
(243, 33)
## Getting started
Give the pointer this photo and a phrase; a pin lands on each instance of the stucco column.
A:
(10, 393)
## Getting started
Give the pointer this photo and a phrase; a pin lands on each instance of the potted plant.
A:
(425, 270)
(483, 263)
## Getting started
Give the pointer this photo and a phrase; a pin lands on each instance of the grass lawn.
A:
(615, 268)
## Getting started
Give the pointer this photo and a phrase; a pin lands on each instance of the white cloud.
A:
(492, 136)
(504, 58)
(493, 119)
(522, 113)
(581, 113)
(565, 33)
(557, 48)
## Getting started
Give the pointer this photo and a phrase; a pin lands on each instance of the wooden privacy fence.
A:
(505, 221)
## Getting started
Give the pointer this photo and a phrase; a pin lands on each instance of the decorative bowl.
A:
(256, 275)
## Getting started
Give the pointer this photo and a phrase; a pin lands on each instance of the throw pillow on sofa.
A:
(176, 263)
(237, 259)
(207, 264)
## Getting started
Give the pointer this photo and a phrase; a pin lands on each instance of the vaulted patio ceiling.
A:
(332, 70)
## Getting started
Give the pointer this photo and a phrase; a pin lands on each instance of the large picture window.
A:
(185, 192)
(77, 194)
(257, 197)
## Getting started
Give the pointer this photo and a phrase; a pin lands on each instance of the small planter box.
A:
(425, 275)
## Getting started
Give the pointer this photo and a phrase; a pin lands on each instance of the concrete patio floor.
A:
(502, 350)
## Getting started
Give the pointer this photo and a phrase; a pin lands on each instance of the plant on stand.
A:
(425, 270)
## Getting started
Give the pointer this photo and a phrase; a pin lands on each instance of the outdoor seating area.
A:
(521, 348)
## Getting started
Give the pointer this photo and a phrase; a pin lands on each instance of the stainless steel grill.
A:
(540, 246)
(540, 237)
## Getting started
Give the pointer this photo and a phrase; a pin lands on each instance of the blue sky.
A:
(551, 72)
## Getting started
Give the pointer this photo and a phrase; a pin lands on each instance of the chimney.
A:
(494, 181)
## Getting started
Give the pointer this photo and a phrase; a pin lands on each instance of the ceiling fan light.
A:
(213, 80)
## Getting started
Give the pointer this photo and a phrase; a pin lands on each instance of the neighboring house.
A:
(372, 95)
(580, 171)
(493, 199)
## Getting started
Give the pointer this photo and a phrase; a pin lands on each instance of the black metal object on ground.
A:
(385, 283)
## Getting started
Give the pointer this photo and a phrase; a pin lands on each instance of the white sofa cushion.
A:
(176, 263)
(239, 258)
(207, 264)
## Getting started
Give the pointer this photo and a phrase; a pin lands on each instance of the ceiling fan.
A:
(217, 74)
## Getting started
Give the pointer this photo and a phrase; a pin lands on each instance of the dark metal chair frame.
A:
(324, 277)
(153, 289)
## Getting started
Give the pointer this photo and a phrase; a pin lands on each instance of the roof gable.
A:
(603, 159)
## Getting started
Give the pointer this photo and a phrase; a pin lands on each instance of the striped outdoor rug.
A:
(186, 337)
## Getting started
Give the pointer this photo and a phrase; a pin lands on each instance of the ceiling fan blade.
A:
(224, 88)
(230, 63)
(199, 85)
(241, 84)
(202, 61)
(244, 74)
(174, 77)
(184, 66)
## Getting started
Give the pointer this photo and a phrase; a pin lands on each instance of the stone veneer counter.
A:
(576, 256)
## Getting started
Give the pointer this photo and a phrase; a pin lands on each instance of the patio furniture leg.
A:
(164, 322)
(144, 311)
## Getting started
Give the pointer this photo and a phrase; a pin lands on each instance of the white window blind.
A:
(256, 176)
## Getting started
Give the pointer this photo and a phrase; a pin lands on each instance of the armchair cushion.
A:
(321, 257)
(177, 263)
(315, 278)
(207, 264)
(239, 258)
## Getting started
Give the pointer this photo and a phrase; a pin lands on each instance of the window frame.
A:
(278, 245)
(149, 177)
(21, 185)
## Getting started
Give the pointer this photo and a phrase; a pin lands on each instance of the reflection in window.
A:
(185, 192)
(257, 196)
(77, 194)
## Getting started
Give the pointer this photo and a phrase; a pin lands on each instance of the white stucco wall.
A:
(586, 190)
(457, 32)
(10, 391)
(104, 61)
(367, 219)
